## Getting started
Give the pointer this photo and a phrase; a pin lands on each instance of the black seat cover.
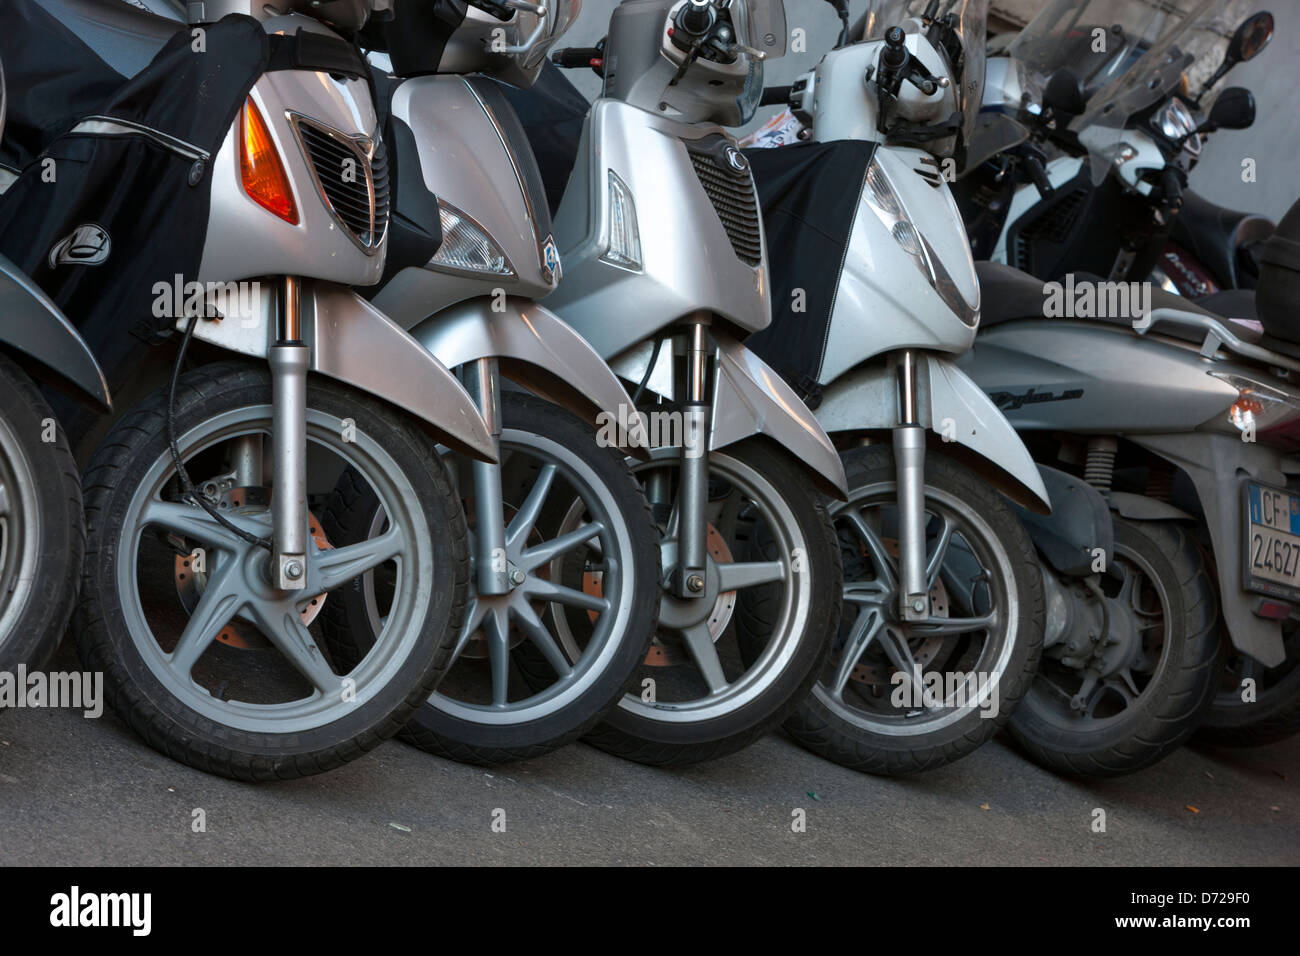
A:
(1230, 303)
(1214, 235)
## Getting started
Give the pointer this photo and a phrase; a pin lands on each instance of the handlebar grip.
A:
(775, 96)
(1172, 185)
(575, 57)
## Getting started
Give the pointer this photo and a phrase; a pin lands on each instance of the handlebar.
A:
(576, 57)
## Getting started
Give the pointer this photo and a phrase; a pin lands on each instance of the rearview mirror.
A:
(1064, 93)
(1234, 108)
(1251, 38)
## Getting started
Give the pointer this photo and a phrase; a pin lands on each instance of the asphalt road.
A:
(87, 792)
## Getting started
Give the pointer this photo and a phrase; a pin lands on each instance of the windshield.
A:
(559, 18)
(767, 30)
(1129, 54)
(969, 21)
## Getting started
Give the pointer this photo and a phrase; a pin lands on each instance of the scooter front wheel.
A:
(201, 654)
(901, 696)
(727, 667)
(537, 666)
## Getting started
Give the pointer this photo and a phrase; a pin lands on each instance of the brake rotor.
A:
(190, 583)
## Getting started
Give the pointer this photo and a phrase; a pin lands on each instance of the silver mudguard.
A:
(952, 405)
(536, 348)
(751, 399)
(32, 324)
(355, 343)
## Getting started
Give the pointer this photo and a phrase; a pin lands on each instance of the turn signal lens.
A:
(260, 167)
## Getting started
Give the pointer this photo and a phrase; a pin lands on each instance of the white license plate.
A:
(1272, 541)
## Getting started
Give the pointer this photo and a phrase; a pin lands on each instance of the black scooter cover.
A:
(809, 196)
(119, 201)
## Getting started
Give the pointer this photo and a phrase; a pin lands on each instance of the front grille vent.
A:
(352, 175)
(732, 195)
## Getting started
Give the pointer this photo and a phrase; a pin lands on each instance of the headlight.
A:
(881, 199)
(1259, 406)
(624, 246)
(466, 247)
(1176, 120)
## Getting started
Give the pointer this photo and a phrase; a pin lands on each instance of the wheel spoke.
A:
(561, 594)
(872, 593)
(549, 550)
(221, 600)
(521, 526)
(283, 627)
(474, 615)
(900, 655)
(497, 629)
(748, 574)
(879, 554)
(542, 639)
(704, 652)
(865, 628)
(952, 625)
(191, 521)
(337, 566)
(933, 565)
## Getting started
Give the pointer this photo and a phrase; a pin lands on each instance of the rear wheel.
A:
(729, 666)
(1111, 700)
(899, 697)
(1253, 704)
(42, 531)
(201, 655)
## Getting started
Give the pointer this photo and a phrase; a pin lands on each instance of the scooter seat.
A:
(1230, 303)
(1217, 236)
(1007, 294)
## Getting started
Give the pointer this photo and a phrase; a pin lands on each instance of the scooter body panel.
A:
(1094, 378)
(881, 280)
(688, 264)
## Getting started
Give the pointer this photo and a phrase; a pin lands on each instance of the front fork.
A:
(289, 358)
(492, 573)
(909, 467)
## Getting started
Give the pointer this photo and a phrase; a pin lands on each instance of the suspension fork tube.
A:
(693, 493)
(289, 359)
(491, 569)
(909, 465)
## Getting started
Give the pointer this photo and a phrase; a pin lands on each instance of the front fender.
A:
(355, 343)
(751, 399)
(536, 348)
(31, 323)
(952, 405)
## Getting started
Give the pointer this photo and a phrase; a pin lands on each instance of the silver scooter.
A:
(208, 554)
(665, 274)
(947, 599)
(565, 594)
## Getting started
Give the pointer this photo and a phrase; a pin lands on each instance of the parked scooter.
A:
(207, 557)
(565, 595)
(946, 596)
(42, 528)
(665, 273)
(1183, 422)
(1113, 200)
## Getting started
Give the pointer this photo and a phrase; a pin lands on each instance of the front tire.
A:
(201, 656)
(712, 686)
(42, 530)
(976, 656)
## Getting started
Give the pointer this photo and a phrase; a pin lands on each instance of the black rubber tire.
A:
(440, 733)
(1273, 717)
(818, 728)
(166, 724)
(664, 744)
(38, 627)
(1175, 701)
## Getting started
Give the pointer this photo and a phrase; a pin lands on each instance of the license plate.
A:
(1272, 541)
